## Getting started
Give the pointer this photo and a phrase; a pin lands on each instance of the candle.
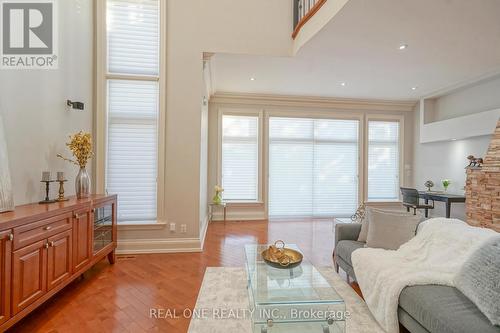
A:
(45, 176)
(60, 176)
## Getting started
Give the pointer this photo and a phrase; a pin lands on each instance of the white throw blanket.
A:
(433, 256)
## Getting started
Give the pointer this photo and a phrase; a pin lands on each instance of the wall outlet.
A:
(183, 228)
(172, 226)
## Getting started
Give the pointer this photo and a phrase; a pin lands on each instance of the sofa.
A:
(422, 309)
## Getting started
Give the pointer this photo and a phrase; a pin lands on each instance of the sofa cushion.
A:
(479, 279)
(444, 309)
(346, 247)
(390, 230)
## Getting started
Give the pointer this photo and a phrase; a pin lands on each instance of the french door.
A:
(313, 167)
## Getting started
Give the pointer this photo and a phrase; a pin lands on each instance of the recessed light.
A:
(343, 84)
(414, 88)
(453, 139)
(403, 46)
(252, 79)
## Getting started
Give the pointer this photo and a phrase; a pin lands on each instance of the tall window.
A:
(313, 167)
(132, 83)
(383, 160)
(240, 157)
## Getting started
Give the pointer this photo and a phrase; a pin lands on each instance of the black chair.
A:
(411, 199)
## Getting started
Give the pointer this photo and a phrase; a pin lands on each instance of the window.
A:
(240, 157)
(132, 95)
(313, 167)
(383, 160)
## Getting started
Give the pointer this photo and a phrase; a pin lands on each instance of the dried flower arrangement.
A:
(80, 145)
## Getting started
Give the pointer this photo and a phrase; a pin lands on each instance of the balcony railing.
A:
(303, 10)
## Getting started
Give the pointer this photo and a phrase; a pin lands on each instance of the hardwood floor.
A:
(118, 298)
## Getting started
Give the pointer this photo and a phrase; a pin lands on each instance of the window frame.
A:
(260, 130)
(388, 118)
(101, 78)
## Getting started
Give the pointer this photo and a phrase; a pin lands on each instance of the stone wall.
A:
(482, 188)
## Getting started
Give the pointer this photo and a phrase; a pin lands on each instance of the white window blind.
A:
(132, 118)
(313, 167)
(133, 36)
(240, 157)
(383, 160)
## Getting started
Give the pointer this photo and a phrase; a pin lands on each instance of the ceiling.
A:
(449, 42)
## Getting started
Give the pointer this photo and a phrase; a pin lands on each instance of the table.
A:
(285, 298)
(211, 210)
(447, 198)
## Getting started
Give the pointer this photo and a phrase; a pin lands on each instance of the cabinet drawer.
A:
(30, 233)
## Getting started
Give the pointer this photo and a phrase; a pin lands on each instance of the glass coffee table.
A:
(290, 300)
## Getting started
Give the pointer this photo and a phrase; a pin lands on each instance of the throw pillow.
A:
(365, 223)
(390, 230)
(479, 279)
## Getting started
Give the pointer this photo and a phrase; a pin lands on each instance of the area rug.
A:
(222, 303)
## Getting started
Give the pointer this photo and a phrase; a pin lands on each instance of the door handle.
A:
(11, 237)
(51, 244)
(46, 245)
(76, 216)
(47, 228)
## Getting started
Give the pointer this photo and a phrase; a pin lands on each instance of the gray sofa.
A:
(422, 309)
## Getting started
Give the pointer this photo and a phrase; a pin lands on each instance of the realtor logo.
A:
(28, 34)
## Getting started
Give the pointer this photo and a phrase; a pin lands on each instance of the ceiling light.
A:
(252, 79)
(414, 88)
(343, 84)
(403, 46)
(453, 139)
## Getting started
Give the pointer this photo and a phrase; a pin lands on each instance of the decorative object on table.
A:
(6, 194)
(359, 215)
(277, 255)
(429, 184)
(217, 199)
(474, 162)
(47, 180)
(446, 183)
(80, 145)
(61, 180)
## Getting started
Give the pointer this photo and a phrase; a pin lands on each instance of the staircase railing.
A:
(303, 10)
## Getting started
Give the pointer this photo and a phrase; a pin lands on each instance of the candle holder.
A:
(61, 191)
(47, 189)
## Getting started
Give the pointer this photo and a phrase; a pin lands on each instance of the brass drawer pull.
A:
(47, 228)
(11, 237)
(76, 216)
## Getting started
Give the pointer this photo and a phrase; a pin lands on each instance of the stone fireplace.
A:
(482, 188)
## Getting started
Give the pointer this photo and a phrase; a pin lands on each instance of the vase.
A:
(217, 199)
(82, 184)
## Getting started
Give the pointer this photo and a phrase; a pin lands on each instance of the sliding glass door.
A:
(313, 167)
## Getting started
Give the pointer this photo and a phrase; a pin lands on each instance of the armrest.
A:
(347, 231)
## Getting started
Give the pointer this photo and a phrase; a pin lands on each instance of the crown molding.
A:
(310, 101)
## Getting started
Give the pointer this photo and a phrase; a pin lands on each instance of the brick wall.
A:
(482, 188)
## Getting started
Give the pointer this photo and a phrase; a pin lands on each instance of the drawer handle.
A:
(46, 245)
(11, 237)
(77, 216)
(51, 243)
(47, 228)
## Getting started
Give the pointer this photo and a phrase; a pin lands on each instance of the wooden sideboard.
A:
(45, 247)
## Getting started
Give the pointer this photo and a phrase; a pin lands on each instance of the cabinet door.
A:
(29, 272)
(59, 259)
(82, 239)
(5, 257)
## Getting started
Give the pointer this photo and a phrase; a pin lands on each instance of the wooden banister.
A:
(301, 19)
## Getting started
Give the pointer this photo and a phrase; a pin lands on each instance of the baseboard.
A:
(148, 246)
(203, 231)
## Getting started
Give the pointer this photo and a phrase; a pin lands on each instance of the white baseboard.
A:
(148, 246)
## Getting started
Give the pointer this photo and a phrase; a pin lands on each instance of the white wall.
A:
(33, 106)
(446, 160)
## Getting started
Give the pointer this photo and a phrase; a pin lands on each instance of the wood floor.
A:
(118, 298)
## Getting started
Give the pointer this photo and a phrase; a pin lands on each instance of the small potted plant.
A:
(217, 199)
(80, 145)
(446, 183)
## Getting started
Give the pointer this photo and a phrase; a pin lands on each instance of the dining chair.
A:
(411, 200)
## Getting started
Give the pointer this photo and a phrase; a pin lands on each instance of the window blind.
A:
(313, 167)
(383, 160)
(133, 36)
(240, 157)
(132, 110)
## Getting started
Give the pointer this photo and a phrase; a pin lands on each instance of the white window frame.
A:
(100, 105)
(390, 118)
(242, 112)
